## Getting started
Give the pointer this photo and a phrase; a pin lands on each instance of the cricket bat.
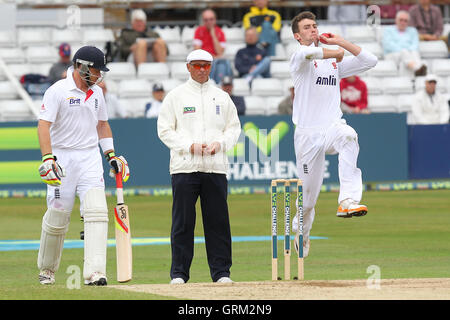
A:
(123, 235)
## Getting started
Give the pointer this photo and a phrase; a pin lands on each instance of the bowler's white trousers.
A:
(311, 145)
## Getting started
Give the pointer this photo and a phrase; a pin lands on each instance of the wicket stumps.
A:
(287, 228)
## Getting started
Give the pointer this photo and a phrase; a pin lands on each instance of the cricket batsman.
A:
(72, 123)
(320, 129)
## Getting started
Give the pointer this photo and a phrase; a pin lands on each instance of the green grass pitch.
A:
(406, 234)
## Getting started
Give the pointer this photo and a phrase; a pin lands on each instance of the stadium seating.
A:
(272, 104)
(34, 50)
(382, 103)
(179, 71)
(433, 49)
(41, 54)
(135, 106)
(404, 102)
(280, 53)
(255, 105)
(8, 91)
(121, 70)
(136, 88)
(177, 51)
(8, 39)
(397, 85)
(241, 87)
(12, 55)
(16, 110)
(267, 87)
(71, 36)
(374, 85)
(360, 33)
(33, 37)
(169, 35)
(280, 69)
(169, 84)
(384, 68)
(97, 37)
(153, 71)
(440, 67)
(234, 35)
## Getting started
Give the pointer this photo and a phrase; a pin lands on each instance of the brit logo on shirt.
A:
(74, 101)
(96, 104)
(217, 109)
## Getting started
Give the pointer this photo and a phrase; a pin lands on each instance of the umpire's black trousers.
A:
(212, 189)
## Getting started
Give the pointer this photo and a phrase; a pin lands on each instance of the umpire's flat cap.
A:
(200, 55)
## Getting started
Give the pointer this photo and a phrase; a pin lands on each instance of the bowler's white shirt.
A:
(316, 81)
(74, 114)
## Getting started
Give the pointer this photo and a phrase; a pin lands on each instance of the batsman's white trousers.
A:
(84, 173)
(311, 145)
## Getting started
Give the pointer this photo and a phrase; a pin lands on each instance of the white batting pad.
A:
(95, 214)
(55, 224)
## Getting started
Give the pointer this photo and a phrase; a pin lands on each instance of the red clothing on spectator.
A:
(203, 38)
(354, 94)
(388, 11)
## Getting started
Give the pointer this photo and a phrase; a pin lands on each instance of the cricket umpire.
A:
(198, 122)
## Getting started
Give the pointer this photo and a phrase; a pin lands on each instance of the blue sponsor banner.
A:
(429, 147)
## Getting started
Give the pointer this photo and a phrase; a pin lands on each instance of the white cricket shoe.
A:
(225, 280)
(96, 279)
(349, 208)
(47, 277)
(177, 281)
(306, 245)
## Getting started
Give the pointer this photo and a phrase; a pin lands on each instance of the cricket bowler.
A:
(72, 123)
(320, 129)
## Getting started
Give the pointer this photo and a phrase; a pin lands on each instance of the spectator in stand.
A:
(153, 108)
(353, 95)
(429, 106)
(114, 108)
(252, 62)
(401, 44)
(346, 13)
(388, 11)
(145, 44)
(239, 102)
(427, 19)
(286, 105)
(267, 23)
(59, 69)
(211, 38)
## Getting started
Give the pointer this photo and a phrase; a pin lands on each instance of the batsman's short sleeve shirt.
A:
(74, 114)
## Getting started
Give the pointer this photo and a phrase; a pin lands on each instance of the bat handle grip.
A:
(119, 188)
(119, 180)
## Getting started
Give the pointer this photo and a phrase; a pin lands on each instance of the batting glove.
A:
(51, 171)
(118, 164)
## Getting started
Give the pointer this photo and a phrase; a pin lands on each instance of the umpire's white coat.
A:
(319, 127)
(198, 113)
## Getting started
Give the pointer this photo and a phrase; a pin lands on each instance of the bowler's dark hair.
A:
(300, 17)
